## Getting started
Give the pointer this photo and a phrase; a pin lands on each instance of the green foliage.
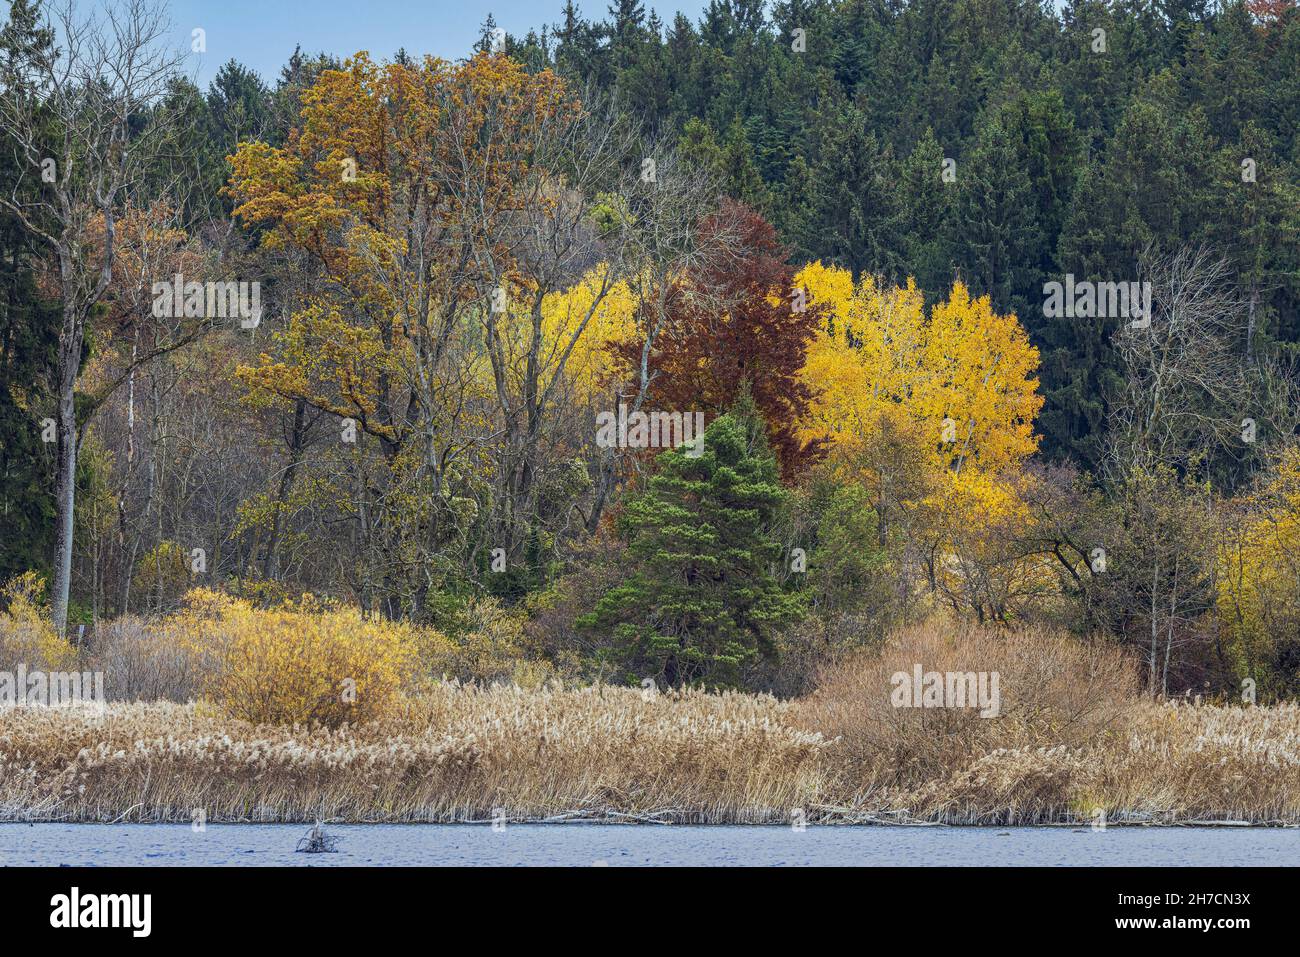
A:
(29, 338)
(854, 197)
(994, 231)
(29, 331)
(845, 563)
(701, 600)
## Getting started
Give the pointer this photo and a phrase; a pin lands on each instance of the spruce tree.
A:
(701, 601)
(994, 231)
(29, 339)
(855, 194)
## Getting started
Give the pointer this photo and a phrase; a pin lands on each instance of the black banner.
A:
(143, 906)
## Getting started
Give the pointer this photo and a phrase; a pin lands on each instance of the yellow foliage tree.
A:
(415, 190)
(597, 315)
(1258, 568)
(964, 374)
(933, 414)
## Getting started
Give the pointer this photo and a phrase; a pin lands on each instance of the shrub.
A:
(146, 660)
(489, 646)
(300, 663)
(1055, 690)
(808, 648)
(551, 630)
(26, 634)
(162, 577)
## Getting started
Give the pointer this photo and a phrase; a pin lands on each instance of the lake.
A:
(585, 845)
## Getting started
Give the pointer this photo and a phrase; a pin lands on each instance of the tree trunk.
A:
(66, 486)
(1154, 654)
(1250, 327)
(271, 565)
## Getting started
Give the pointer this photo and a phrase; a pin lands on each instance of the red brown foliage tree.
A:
(732, 320)
(1269, 11)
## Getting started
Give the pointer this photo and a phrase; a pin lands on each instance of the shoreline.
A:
(470, 755)
(599, 822)
(524, 845)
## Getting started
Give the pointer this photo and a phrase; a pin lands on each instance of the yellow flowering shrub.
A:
(26, 634)
(299, 663)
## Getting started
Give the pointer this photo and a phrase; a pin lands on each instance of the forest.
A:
(988, 311)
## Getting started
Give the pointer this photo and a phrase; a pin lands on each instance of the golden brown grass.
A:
(1073, 736)
(454, 754)
(1172, 764)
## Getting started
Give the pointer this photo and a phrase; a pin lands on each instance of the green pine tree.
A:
(701, 601)
(994, 230)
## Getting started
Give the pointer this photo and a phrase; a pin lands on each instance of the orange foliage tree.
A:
(446, 206)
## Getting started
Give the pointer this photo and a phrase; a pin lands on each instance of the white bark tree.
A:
(83, 110)
(1184, 387)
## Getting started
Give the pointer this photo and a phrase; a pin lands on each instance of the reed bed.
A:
(466, 753)
(1175, 764)
(1074, 742)
(457, 753)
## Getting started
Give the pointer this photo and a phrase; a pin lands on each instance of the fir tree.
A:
(701, 602)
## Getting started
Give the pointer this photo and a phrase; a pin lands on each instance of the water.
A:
(584, 845)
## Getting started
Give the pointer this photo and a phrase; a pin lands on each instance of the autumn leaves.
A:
(963, 376)
(479, 270)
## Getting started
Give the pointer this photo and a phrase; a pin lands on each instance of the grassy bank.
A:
(458, 753)
(273, 739)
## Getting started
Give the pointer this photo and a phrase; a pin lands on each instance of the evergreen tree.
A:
(701, 601)
(29, 339)
(577, 47)
(741, 177)
(994, 231)
(627, 32)
(925, 208)
(854, 195)
(1150, 192)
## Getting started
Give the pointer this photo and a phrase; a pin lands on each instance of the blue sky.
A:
(261, 34)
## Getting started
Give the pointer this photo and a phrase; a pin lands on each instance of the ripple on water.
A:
(588, 845)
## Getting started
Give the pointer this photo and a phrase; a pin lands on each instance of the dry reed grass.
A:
(1073, 737)
(1054, 690)
(455, 754)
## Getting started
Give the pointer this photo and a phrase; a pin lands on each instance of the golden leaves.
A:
(963, 375)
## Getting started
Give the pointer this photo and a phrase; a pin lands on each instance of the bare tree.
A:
(663, 245)
(83, 110)
(571, 210)
(1183, 371)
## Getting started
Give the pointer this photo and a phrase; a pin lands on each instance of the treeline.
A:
(827, 234)
(1077, 140)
